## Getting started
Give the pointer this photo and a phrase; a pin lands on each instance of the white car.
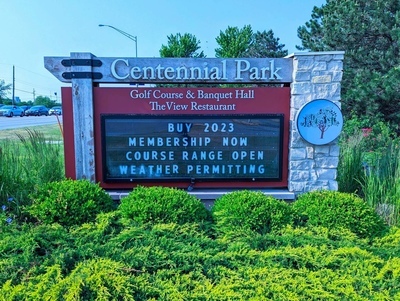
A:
(57, 110)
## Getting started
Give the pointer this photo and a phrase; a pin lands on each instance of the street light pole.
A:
(129, 36)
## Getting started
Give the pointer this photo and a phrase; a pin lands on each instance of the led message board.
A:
(204, 148)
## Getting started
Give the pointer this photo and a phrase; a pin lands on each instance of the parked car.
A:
(11, 111)
(37, 111)
(24, 107)
(57, 110)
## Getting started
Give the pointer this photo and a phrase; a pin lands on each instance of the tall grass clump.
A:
(350, 168)
(381, 187)
(25, 164)
(369, 166)
(43, 158)
(11, 170)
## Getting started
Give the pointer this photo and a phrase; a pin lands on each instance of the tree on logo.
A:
(323, 120)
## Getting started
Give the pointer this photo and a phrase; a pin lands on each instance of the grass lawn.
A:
(51, 132)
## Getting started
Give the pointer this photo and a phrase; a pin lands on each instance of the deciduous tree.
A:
(234, 42)
(44, 100)
(185, 45)
(4, 89)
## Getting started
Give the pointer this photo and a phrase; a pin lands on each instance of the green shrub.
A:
(69, 202)
(162, 205)
(334, 209)
(377, 141)
(376, 135)
(250, 211)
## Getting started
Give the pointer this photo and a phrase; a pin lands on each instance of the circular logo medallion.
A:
(319, 122)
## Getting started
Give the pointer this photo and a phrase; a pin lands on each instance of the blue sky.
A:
(31, 30)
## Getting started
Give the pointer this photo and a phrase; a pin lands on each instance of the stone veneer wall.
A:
(316, 75)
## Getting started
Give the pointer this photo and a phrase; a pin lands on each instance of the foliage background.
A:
(368, 32)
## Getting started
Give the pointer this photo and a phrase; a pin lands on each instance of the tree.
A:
(264, 44)
(311, 33)
(44, 100)
(234, 42)
(4, 89)
(368, 32)
(322, 120)
(185, 45)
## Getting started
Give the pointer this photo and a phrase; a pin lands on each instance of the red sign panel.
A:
(128, 122)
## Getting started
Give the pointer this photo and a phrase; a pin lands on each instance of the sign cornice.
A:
(176, 70)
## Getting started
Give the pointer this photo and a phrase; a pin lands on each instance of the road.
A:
(27, 121)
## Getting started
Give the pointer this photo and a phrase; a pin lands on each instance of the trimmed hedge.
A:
(335, 210)
(250, 211)
(69, 202)
(162, 205)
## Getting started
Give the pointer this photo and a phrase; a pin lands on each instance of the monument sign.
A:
(222, 123)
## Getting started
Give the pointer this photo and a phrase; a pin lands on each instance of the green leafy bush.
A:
(69, 202)
(376, 137)
(334, 209)
(162, 205)
(250, 211)
(376, 142)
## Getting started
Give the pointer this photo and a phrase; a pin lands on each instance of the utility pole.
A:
(13, 90)
(33, 96)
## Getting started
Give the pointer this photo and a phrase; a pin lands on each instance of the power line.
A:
(42, 88)
(23, 91)
(19, 67)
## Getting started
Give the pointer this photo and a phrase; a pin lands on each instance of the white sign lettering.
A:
(179, 70)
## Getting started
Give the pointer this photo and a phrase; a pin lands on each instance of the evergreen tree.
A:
(368, 32)
(264, 44)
